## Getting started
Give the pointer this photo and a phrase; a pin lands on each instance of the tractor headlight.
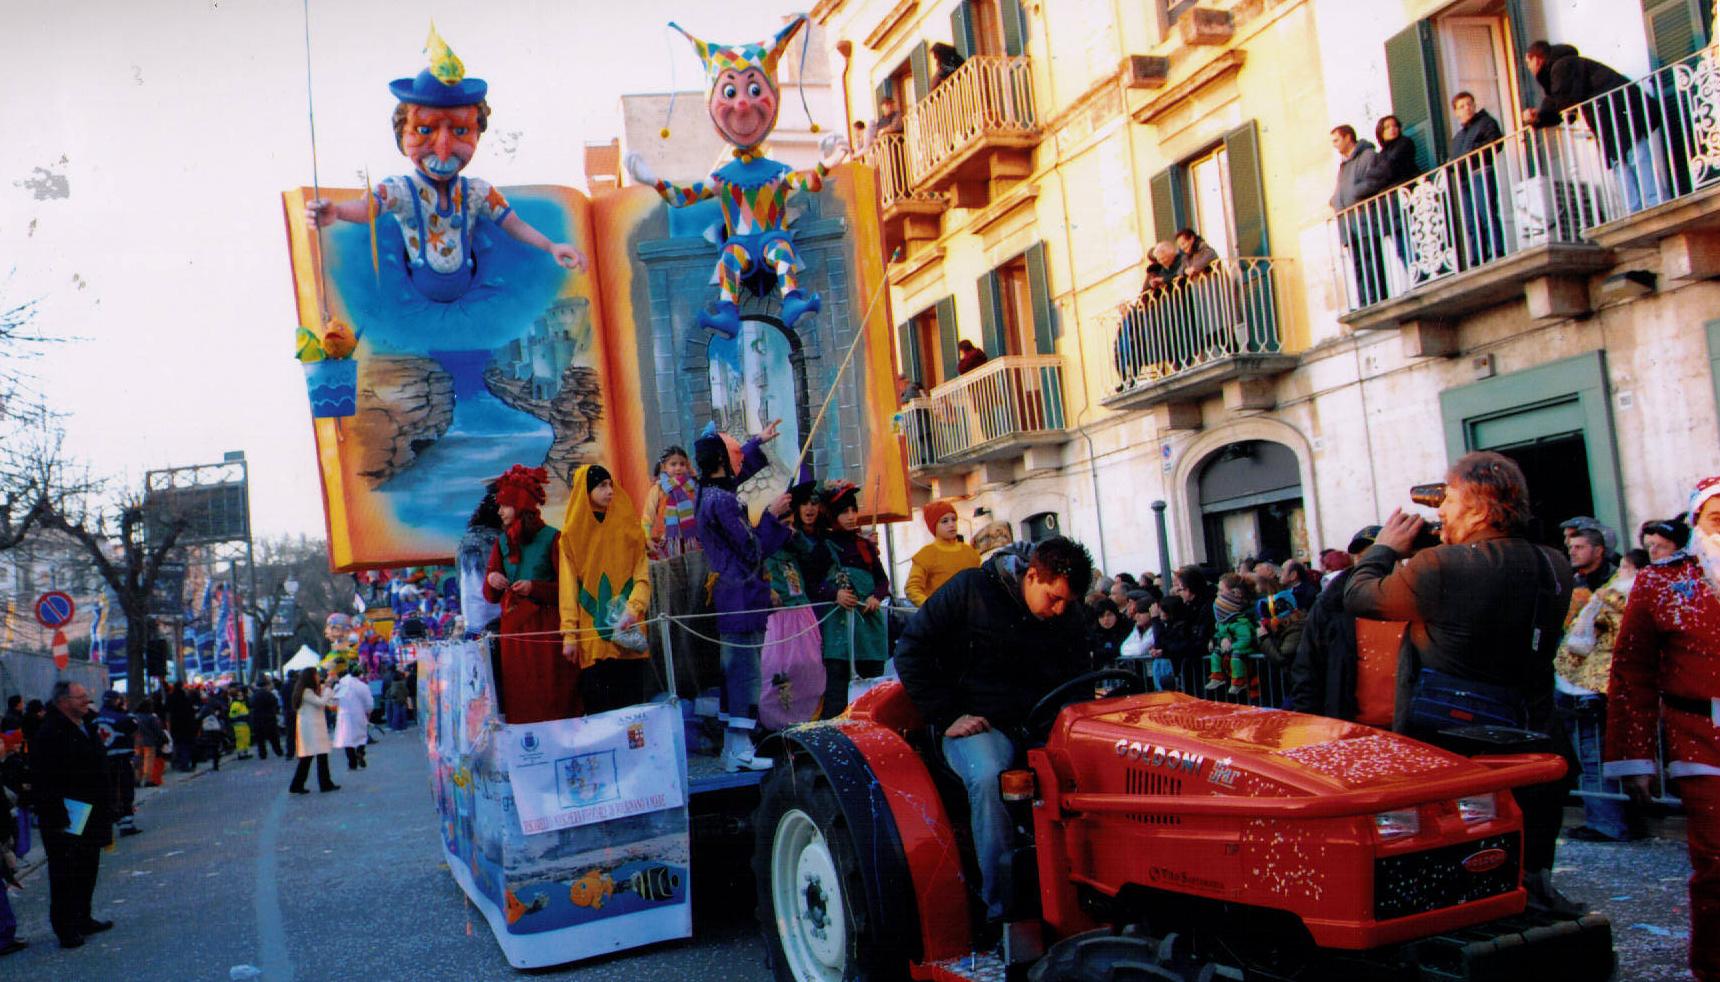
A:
(1398, 824)
(1481, 808)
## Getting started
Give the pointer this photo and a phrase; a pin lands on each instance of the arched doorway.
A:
(1249, 498)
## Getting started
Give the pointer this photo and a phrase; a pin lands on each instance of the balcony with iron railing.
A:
(998, 410)
(909, 213)
(979, 125)
(1219, 331)
(1537, 212)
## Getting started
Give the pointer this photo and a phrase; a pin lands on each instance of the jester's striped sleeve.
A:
(807, 180)
(679, 196)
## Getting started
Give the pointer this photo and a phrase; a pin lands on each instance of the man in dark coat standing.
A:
(68, 773)
(182, 727)
(1358, 230)
(1477, 183)
(1623, 122)
(266, 719)
(977, 656)
(1485, 608)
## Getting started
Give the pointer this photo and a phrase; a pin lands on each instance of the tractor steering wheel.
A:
(1036, 726)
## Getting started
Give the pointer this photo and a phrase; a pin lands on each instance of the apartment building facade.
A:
(1525, 297)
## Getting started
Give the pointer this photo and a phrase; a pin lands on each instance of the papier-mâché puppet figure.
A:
(752, 189)
(440, 115)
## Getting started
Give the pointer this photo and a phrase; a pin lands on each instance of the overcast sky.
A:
(151, 139)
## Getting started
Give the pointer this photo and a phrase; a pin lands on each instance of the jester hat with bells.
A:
(730, 71)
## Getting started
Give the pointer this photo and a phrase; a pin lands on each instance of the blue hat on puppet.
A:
(763, 55)
(444, 84)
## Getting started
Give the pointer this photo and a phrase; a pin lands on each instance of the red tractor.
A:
(1165, 837)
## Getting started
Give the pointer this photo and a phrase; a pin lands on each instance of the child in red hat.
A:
(943, 557)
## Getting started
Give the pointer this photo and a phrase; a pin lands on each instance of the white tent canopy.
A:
(303, 658)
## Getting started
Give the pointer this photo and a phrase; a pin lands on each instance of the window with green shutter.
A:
(1677, 29)
(1014, 26)
(1169, 210)
(909, 341)
(992, 326)
(962, 28)
(947, 339)
(1039, 288)
(920, 62)
(1412, 68)
(1247, 191)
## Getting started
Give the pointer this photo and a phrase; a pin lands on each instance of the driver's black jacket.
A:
(974, 648)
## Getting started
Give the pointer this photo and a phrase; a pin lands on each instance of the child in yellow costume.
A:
(605, 587)
(239, 715)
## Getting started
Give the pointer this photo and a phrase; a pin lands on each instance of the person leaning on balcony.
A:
(889, 119)
(1196, 256)
(970, 357)
(1476, 128)
(1394, 165)
(1568, 81)
(1356, 231)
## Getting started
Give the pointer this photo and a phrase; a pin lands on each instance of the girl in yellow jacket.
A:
(605, 584)
(943, 557)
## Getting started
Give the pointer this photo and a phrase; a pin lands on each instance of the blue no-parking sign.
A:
(54, 609)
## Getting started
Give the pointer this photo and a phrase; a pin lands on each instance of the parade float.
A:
(450, 329)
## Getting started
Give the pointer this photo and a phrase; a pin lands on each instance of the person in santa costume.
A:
(1666, 666)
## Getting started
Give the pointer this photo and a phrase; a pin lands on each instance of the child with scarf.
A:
(792, 662)
(535, 684)
(605, 589)
(846, 570)
(736, 550)
(670, 524)
(943, 557)
(1232, 636)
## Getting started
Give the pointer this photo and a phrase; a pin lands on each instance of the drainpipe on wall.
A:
(1164, 541)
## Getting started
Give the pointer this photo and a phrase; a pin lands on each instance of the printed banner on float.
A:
(571, 772)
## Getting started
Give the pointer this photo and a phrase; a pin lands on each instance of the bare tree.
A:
(126, 544)
(304, 561)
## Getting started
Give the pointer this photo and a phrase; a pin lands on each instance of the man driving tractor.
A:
(978, 655)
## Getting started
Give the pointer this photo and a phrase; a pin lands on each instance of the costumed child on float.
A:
(752, 189)
(846, 570)
(437, 123)
(671, 527)
(791, 663)
(537, 684)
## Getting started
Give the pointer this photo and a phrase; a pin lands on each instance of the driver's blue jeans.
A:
(978, 760)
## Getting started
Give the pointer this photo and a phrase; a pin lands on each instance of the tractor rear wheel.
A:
(1101, 956)
(811, 895)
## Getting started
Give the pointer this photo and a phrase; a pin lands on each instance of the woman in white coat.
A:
(312, 732)
(352, 724)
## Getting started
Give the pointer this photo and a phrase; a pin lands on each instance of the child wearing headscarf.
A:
(670, 520)
(846, 570)
(536, 685)
(943, 557)
(792, 662)
(1232, 637)
(605, 589)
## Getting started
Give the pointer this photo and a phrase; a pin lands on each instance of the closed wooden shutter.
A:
(947, 339)
(1677, 29)
(961, 29)
(1039, 285)
(991, 321)
(1412, 68)
(1166, 187)
(1247, 191)
(1528, 90)
(1014, 26)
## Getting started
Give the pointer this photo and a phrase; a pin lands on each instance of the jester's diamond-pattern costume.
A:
(752, 191)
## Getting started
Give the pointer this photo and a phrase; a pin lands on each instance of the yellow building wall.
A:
(1090, 197)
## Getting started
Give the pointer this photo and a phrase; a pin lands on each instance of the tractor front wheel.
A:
(1105, 956)
(812, 901)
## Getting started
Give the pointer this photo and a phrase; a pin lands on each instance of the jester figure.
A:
(752, 189)
(437, 123)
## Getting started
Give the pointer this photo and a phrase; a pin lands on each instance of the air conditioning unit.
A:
(1145, 71)
(1204, 25)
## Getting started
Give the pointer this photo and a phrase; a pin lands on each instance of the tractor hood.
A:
(1224, 748)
